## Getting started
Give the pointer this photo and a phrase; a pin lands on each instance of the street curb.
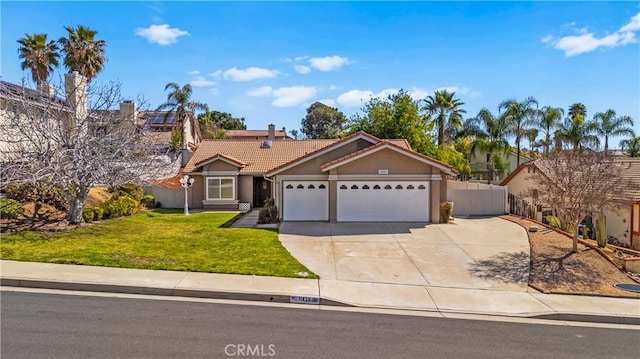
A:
(279, 298)
(194, 293)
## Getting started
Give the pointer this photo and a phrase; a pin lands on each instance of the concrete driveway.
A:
(482, 253)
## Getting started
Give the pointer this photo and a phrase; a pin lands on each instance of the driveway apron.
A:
(480, 253)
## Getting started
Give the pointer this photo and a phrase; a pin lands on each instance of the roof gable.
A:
(349, 139)
(384, 144)
(221, 157)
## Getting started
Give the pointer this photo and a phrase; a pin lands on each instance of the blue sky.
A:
(269, 61)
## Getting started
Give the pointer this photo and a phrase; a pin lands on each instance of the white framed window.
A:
(221, 188)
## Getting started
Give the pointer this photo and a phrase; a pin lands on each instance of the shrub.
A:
(88, 214)
(10, 208)
(446, 210)
(268, 213)
(122, 206)
(132, 190)
(98, 213)
(148, 201)
(39, 192)
(554, 221)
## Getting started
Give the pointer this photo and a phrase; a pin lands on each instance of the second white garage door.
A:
(383, 201)
(306, 201)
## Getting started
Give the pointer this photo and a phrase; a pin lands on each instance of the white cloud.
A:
(354, 98)
(194, 72)
(332, 87)
(200, 81)
(297, 58)
(418, 93)
(633, 25)
(456, 89)
(248, 74)
(293, 96)
(263, 91)
(161, 34)
(328, 63)
(217, 74)
(302, 69)
(328, 102)
(586, 41)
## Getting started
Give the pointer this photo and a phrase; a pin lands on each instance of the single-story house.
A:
(622, 223)
(358, 178)
(270, 134)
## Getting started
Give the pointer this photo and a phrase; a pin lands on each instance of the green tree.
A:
(179, 103)
(491, 139)
(82, 52)
(576, 130)
(549, 119)
(519, 117)
(397, 116)
(223, 120)
(445, 110)
(294, 133)
(38, 55)
(608, 125)
(323, 121)
(631, 146)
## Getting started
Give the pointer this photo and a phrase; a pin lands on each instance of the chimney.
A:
(75, 86)
(284, 131)
(128, 111)
(272, 132)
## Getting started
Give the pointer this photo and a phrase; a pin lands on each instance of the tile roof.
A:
(253, 133)
(157, 138)
(257, 159)
(171, 182)
(261, 160)
(11, 91)
(220, 155)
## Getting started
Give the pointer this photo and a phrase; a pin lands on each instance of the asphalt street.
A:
(36, 325)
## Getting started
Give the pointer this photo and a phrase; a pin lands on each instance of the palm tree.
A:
(519, 116)
(82, 52)
(550, 118)
(179, 103)
(631, 146)
(446, 110)
(577, 110)
(578, 133)
(39, 56)
(611, 126)
(490, 138)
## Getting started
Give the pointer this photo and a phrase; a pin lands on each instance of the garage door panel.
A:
(306, 201)
(383, 201)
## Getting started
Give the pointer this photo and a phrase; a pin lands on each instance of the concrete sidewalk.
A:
(329, 292)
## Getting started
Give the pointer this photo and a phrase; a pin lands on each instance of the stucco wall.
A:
(619, 224)
(386, 159)
(522, 183)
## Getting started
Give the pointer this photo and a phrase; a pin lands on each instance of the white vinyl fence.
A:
(477, 199)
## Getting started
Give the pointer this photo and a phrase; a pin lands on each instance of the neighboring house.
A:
(478, 164)
(358, 178)
(270, 134)
(622, 223)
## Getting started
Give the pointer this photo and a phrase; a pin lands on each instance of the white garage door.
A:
(383, 201)
(306, 201)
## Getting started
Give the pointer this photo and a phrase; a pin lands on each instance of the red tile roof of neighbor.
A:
(172, 182)
(254, 133)
(261, 160)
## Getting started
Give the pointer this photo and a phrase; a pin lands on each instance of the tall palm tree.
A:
(82, 52)
(519, 116)
(631, 146)
(577, 110)
(550, 118)
(38, 55)
(445, 110)
(491, 138)
(179, 103)
(578, 133)
(611, 126)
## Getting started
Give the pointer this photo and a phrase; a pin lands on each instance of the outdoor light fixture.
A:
(186, 181)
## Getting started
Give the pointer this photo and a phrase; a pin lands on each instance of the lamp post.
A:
(186, 181)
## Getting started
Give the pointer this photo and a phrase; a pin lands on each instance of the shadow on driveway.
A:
(323, 229)
(505, 267)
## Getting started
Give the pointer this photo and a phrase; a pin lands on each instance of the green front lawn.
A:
(161, 239)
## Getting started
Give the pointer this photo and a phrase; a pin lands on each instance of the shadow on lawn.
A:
(504, 267)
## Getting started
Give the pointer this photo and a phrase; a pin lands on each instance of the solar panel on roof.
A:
(160, 118)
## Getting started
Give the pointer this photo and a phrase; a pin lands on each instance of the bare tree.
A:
(91, 138)
(578, 184)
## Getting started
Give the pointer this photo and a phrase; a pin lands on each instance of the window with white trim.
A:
(221, 188)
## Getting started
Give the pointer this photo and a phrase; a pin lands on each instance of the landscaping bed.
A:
(555, 269)
(160, 239)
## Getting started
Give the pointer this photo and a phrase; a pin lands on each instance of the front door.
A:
(261, 191)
